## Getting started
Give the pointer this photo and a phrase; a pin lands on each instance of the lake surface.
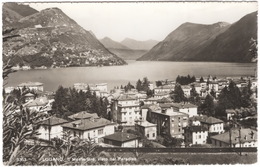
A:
(121, 75)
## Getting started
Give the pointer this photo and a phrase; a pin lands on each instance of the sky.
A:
(144, 21)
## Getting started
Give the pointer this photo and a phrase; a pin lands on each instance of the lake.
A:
(121, 75)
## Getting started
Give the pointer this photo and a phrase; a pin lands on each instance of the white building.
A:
(213, 125)
(37, 104)
(148, 129)
(187, 108)
(51, 128)
(92, 128)
(186, 90)
(196, 135)
(126, 110)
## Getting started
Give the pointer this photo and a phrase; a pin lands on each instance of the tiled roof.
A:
(53, 121)
(83, 115)
(184, 105)
(121, 137)
(41, 101)
(87, 124)
(245, 136)
(185, 87)
(161, 94)
(165, 105)
(164, 100)
(152, 99)
(210, 120)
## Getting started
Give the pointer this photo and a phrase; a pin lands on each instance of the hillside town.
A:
(166, 113)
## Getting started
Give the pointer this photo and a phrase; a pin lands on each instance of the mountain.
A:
(51, 38)
(12, 12)
(120, 50)
(232, 45)
(139, 45)
(184, 42)
(217, 42)
(111, 44)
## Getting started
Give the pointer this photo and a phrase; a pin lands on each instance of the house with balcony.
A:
(126, 110)
(213, 125)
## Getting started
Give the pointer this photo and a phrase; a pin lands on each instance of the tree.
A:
(246, 95)
(229, 98)
(139, 85)
(128, 87)
(158, 83)
(208, 106)
(213, 93)
(178, 95)
(194, 96)
(145, 84)
(201, 79)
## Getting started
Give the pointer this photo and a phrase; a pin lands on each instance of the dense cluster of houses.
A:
(152, 117)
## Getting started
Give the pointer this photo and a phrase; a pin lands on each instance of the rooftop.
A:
(246, 135)
(121, 137)
(230, 111)
(87, 124)
(184, 105)
(83, 115)
(210, 120)
(53, 121)
(40, 101)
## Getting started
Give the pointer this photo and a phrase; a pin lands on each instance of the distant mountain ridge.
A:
(51, 35)
(139, 45)
(111, 44)
(217, 42)
(121, 50)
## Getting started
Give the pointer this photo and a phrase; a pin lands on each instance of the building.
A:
(161, 95)
(92, 128)
(248, 138)
(147, 129)
(186, 90)
(168, 121)
(29, 97)
(126, 110)
(230, 113)
(151, 100)
(213, 85)
(164, 89)
(187, 108)
(196, 135)
(37, 104)
(35, 86)
(51, 128)
(121, 139)
(213, 125)
(98, 89)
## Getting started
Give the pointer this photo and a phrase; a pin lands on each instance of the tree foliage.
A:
(185, 80)
(178, 95)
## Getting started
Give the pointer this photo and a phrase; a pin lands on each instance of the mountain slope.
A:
(111, 44)
(232, 45)
(12, 12)
(56, 38)
(139, 45)
(185, 42)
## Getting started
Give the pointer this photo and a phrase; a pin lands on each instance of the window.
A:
(153, 134)
(199, 136)
(147, 135)
(100, 131)
(75, 133)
